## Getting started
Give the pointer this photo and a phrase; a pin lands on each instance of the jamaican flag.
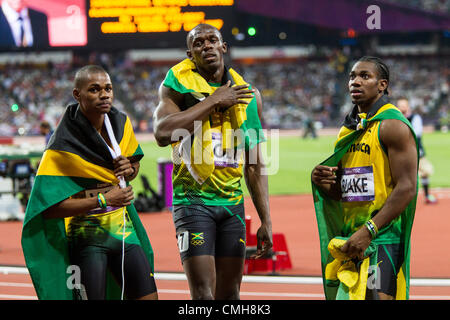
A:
(76, 158)
(329, 214)
(241, 118)
(208, 165)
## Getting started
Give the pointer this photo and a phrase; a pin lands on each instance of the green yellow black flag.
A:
(329, 215)
(75, 159)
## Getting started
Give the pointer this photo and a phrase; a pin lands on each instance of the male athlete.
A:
(209, 102)
(82, 236)
(365, 193)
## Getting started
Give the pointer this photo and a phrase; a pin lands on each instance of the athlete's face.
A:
(206, 48)
(95, 94)
(364, 84)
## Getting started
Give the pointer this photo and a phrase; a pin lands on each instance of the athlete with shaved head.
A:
(208, 209)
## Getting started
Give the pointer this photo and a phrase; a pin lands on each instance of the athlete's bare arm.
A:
(257, 184)
(169, 117)
(402, 153)
(116, 197)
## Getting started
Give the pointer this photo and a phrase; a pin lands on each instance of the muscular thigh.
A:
(139, 278)
(92, 262)
(230, 239)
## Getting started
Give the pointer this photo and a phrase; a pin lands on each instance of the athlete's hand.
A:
(122, 167)
(118, 197)
(227, 96)
(264, 241)
(357, 244)
(324, 175)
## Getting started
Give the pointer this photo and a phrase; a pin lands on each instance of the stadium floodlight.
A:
(282, 35)
(251, 31)
(240, 36)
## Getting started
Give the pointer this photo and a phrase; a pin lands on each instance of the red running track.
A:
(292, 215)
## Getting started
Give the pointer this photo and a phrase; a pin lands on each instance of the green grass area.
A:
(437, 148)
(298, 156)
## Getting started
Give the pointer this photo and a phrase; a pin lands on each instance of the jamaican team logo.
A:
(197, 239)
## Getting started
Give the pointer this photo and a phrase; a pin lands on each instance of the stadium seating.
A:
(292, 91)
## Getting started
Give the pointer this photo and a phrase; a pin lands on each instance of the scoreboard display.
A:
(108, 24)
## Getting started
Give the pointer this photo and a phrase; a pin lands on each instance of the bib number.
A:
(94, 192)
(183, 241)
(357, 184)
(221, 158)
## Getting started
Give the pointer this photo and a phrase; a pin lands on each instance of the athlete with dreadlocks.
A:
(365, 194)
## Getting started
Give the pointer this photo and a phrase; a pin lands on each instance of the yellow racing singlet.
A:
(366, 184)
(100, 226)
(366, 180)
(222, 186)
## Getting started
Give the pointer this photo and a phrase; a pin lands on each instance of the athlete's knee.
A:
(200, 271)
(385, 296)
(228, 290)
(230, 294)
(202, 292)
(151, 296)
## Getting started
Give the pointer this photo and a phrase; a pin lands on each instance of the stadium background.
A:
(296, 54)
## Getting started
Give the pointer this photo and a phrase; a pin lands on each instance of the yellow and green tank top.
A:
(365, 175)
(216, 179)
(366, 180)
(366, 184)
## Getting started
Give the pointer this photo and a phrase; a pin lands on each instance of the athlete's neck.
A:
(95, 119)
(214, 75)
(364, 107)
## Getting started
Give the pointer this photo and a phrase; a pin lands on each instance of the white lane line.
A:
(17, 297)
(416, 282)
(428, 297)
(16, 284)
(262, 294)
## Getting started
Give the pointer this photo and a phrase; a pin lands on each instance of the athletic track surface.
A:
(291, 215)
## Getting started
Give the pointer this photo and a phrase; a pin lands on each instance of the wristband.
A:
(101, 201)
(372, 227)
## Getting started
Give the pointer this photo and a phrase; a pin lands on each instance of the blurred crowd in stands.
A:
(294, 91)
(440, 6)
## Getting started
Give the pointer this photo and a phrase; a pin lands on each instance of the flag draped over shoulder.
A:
(329, 214)
(199, 155)
(76, 158)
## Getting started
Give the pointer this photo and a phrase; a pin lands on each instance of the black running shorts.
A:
(210, 230)
(95, 246)
(390, 260)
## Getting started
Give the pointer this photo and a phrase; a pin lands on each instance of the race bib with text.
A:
(222, 158)
(357, 184)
